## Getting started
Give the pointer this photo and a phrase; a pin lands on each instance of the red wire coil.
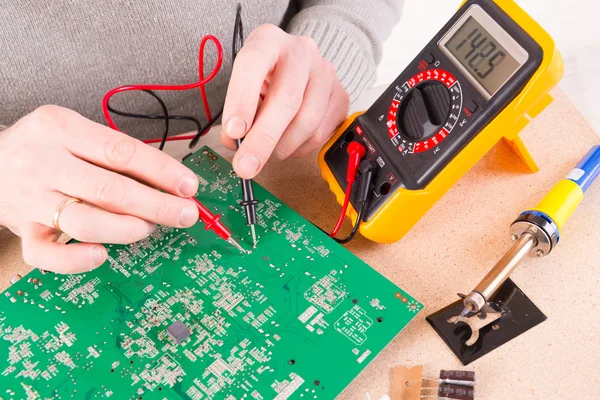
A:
(199, 84)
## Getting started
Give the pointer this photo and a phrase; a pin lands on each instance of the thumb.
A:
(40, 250)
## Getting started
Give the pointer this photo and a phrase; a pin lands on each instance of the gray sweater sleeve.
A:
(349, 34)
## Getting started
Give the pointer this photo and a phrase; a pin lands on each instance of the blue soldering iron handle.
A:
(560, 202)
(587, 170)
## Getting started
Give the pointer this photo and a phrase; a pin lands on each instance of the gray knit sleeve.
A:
(349, 34)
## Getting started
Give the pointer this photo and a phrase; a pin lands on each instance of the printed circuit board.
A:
(182, 314)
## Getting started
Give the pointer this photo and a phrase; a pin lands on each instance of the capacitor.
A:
(451, 392)
(454, 377)
(15, 278)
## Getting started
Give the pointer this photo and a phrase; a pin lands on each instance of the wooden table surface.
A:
(451, 249)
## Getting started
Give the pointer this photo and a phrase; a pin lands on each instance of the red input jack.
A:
(356, 152)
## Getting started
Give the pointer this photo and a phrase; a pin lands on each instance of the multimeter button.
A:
(430, 58)
(472, 106)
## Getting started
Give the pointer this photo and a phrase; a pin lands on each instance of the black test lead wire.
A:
(248, 200)
(367, 171)
(166, 117)
(200, 131)
(354, 231)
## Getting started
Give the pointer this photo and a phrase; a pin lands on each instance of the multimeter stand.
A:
(481, 79)
(508, 314)
(517, 145)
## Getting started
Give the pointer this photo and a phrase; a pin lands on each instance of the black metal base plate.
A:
(518, 316)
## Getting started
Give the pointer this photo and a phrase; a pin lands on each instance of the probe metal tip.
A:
(253, 236)
(236, 245)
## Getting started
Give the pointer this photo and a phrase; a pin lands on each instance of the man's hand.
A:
(53, 154)
(283, 97)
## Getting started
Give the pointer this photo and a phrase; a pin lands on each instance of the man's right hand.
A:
(53, 154)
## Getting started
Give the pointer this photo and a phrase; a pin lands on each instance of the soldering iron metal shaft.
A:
(507, 264)
(497, 275)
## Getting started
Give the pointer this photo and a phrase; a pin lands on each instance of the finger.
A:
(90, 224)
(118, 152)
(253, 64)
(311, 113)
(281, 104)
(40, 250)
(336, 114)
(122, 195)
(226, 140)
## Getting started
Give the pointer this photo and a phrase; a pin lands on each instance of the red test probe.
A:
(213, 223)
(356, 153)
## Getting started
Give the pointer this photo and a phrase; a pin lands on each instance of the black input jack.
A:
(385, 188)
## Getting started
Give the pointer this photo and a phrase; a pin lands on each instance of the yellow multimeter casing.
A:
(399, 210)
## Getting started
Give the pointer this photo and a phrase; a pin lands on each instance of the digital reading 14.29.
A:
(482, 56)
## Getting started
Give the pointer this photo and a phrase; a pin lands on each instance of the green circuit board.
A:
(298, 317)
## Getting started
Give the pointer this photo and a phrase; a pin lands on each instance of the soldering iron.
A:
(536, 232)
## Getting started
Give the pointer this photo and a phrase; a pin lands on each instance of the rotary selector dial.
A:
(424, 110)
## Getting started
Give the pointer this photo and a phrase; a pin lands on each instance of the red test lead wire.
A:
(200, 84)
(356, 153)
(213, 222)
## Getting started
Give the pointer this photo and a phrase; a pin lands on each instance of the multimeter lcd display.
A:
(482, 56)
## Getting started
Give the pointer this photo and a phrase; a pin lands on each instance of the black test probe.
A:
(248, 200)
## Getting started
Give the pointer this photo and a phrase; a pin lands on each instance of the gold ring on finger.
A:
(60, 209)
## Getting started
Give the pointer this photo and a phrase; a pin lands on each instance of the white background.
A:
(574, 25)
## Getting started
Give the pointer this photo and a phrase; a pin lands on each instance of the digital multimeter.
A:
(480, 79)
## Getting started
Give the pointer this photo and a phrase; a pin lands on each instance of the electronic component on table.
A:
(453, 377)
(480, 79)
(448, 392)
(179, 315)
(496, 311)
(407, 384)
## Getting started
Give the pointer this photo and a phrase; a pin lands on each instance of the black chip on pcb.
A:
(178, 331)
